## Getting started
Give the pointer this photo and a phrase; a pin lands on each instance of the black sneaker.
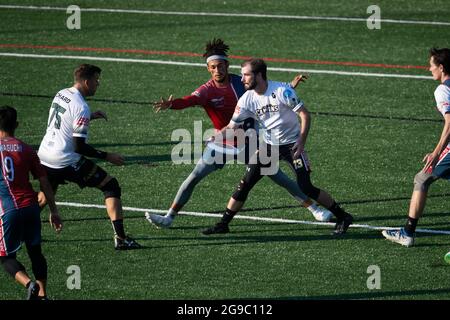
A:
(125, 244)
(220, 227)
(342, 225)
(33, 291)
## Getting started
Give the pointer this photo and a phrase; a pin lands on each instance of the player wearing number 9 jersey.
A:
(19, 211)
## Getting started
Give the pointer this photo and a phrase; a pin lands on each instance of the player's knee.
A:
(242, 191)
(422, 181)
(38, 262)
(112, 189)
(11, 265)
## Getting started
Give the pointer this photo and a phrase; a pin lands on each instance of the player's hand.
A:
(430, 160)
(298, 148)
(297, 79)
(99, 114)
(115, 158)
(163, 104)
(56, 221)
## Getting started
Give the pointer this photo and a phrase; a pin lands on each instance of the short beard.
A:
(252, 85)
(222, 80)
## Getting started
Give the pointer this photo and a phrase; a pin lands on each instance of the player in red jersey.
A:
(19, 210)
(219, 97)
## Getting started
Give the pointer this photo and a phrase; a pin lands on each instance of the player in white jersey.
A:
(64, 147)
(218, 97)
(275, 107)
(437, 163)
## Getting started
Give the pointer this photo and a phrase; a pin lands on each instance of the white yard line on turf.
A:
(239, 216)
(180, 63)
(226, 14)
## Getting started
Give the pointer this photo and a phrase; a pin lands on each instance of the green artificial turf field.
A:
(368, 137)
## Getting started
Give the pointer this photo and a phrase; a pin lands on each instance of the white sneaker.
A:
(322, 214)
(158, 220)
(399, 236)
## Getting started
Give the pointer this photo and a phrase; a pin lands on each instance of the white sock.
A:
(312, 207)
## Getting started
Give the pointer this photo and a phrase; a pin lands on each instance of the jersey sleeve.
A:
(36, 169)
(185, 102)
(289, 98)
(242, 111)
(81, 122)
(442, 100)
(197, 98)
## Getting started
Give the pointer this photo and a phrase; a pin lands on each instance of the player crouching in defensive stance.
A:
(275, 107)
(19, 211)
(63, 149)
(437, 163)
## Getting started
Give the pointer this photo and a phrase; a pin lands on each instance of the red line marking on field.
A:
(191, 54)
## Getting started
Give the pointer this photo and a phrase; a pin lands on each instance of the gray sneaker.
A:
(399, 236)
(158, 220)
(322, 214)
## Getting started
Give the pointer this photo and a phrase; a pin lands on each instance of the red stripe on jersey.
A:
(441, 156)
(83, 122)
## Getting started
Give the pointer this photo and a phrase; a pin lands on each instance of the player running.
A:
(64, 148)
(437, 163)
(275, 107)
(19, 210)
(218, 97)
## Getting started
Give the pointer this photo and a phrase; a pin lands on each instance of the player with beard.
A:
(218, 97)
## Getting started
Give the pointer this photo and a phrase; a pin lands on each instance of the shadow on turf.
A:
(375, 294)
(147, 160)
(161, 143)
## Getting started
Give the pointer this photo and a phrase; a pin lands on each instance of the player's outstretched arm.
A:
(297, 79)
(115, 158)
(163, 104)
(55, 219)
(87, 150)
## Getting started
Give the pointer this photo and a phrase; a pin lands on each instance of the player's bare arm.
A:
(54, 219)
(432, 158)
(226, 132)
(87, 150)
(297, 79)
(115, 158)
(305, 120)
(163, 104)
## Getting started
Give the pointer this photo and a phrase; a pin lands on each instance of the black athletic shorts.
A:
(85, 173)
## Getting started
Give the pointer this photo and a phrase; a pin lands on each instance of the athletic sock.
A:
(171, 213)
(118, 228)
(228, 216)
(337, 211)
(410, 226)
(313, 207)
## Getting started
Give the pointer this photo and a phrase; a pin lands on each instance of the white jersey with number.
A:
(275, 110)
(69, 117)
